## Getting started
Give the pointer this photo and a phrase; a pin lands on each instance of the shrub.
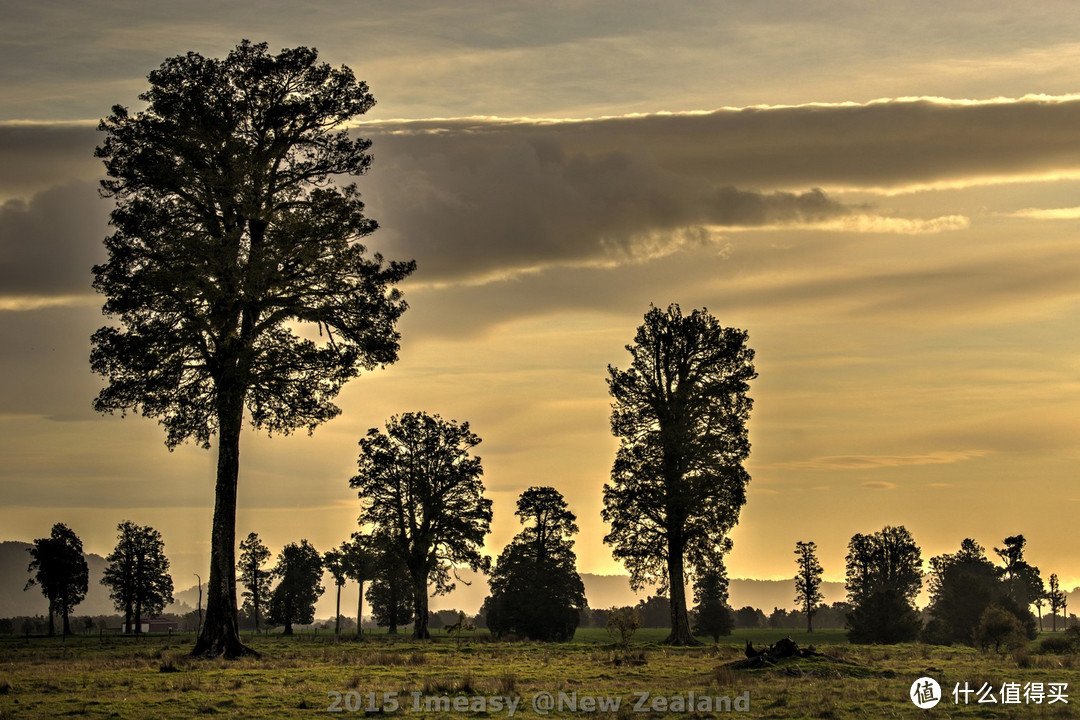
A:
(622, 623)
(999, 627)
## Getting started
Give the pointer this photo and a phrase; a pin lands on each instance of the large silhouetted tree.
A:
(254, 575)
(808, 581)
(137, 573)
(59, 569)
(884, 574)
(678, 482)
(299, 570)
(536, 591)
(420, 487)
(230, 238)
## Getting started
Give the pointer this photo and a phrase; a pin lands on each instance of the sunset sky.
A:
(885, 196)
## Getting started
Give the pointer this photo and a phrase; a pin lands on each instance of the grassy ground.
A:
(118, 677)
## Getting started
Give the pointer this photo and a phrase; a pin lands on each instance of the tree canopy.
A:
(420, 488)
(137, 573)
(963, 585)
(678, 482)
(299, 571)
(233, 248)
(884, 575)
(536, 591)
(59, 568)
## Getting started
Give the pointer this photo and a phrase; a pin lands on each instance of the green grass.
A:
(118, 677)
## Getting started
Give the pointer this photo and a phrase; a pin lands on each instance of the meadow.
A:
(319, 675)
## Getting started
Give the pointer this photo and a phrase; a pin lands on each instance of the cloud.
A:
(49, 244)
(884, 145)
(876, 462)
(1071, 213)
(37, 156)
(879, 485)
(482, 199)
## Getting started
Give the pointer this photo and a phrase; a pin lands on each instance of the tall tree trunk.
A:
(809, 621)
(420, 608)
(337, 612)
(52, 624)
(220, 635)
(392, 589)
(359, 611)
(64, 611)
(138, 617)
(680, 623)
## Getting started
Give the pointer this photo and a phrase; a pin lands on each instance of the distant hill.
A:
(13, 576)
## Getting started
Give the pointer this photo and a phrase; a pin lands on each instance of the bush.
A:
(1062, 643)
(999, 627)
(622, 623)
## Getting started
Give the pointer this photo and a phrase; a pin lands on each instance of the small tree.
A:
(420, 488)
(622, 623)
(138, 573)
(714, 617)
(358, 559)
(535, 587)
(678, 482)
(808, 581)
(391, 599)
(1055, 598)
(254, 575)
(998, 626)
(299, 568)
(59, 569)
(334, 562)
(884, 575)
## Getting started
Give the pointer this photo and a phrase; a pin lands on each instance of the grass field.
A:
(304, 676)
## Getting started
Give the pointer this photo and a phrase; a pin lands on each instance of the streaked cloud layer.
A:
(885, 199)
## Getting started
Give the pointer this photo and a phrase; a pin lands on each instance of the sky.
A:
(886, 197)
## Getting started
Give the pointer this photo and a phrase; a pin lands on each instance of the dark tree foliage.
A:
(655, 611)
(299, 569)
(358, 557)
(1023, 583)
(137, 573)
(59, 569)
(420, 488)
(254, 575)
(808, 581)
(536, 591)
(678, 483)
(884, 574)
(714, 617)
(750, 617)
(962, 586)
(390, 596)
(232, 246)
